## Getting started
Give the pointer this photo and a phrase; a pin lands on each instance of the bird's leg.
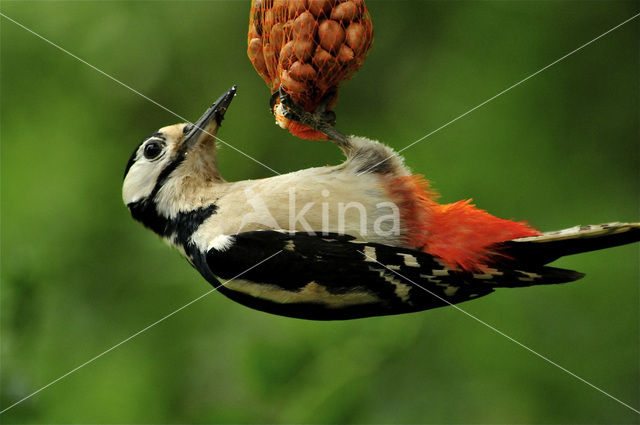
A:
(321, 119)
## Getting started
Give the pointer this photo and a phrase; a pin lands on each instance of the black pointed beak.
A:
(209, 121)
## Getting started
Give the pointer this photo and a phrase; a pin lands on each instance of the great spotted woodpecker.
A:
(363, 238)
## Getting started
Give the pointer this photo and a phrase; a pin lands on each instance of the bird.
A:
(363, 238)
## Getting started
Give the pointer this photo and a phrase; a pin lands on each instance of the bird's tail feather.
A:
(530, 276)
(549, 246)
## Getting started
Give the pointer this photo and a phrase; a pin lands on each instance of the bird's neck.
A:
(178, 209)
(177, 229)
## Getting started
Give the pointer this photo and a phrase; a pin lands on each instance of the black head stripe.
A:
(165, 173)
(132, 159)
(180, 227)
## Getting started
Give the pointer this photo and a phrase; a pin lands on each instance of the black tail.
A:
(549, 246)
(528, 256)
(525, 275)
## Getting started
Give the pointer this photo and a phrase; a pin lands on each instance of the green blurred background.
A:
(79, 275)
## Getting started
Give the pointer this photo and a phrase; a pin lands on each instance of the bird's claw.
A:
(292, 110)
(321, 119)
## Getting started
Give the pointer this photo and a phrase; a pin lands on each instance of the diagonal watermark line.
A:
(505, 335)
(217, 287)
(135, 334)
(503, 92)
(132, 89)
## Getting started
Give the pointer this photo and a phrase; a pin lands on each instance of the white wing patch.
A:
(312, 292)
(430, 278)
(370, 254)
(221, 243)
(409, 260)
(402, 289)
(493, 272)
(530, 277)
(482, 276)
(450, 291)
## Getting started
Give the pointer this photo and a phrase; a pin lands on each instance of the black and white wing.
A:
(334, 277)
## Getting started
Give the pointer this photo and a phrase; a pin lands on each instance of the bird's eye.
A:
(152, 150)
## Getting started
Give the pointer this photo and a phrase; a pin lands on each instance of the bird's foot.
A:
(320, 120)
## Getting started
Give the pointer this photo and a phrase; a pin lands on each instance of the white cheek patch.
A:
(141, 179)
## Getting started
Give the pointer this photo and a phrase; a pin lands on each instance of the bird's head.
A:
(175, 158)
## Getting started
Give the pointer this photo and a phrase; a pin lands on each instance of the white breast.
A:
(325, 199)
